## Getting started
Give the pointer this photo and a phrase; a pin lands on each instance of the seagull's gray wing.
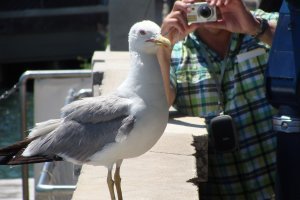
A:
(80, 141)
(89, 125)
(97, 109)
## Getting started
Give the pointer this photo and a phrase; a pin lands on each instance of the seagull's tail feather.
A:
(15, 148)
(12, 155)
(18, 159)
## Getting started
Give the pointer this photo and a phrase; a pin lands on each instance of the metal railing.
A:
(43, 74)
(46, 173)
(43, 186)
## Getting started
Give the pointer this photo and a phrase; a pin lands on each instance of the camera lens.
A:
(205, 11)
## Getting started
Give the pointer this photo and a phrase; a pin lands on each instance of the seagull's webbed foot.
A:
(118, 179)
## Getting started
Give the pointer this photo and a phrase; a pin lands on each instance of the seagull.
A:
(106, 129)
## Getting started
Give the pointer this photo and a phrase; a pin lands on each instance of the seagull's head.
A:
(145, 36)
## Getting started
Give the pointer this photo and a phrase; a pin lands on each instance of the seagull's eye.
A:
(142, 32)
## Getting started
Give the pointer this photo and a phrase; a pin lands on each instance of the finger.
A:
(193, 27)
(173, 35)
(212, 2)
(180, 6)
(226, 2)
(176, 23)
(188, 1)
(218, 3)
(180, 18)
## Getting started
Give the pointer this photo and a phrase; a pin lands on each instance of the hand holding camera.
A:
(188, 15)
(230, 15)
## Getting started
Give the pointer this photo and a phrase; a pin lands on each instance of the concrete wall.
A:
(124, 13)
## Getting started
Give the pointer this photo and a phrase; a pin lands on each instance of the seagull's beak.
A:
(160, 40)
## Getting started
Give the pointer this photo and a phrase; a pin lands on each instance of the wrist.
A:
(260, 28)
(164, 50)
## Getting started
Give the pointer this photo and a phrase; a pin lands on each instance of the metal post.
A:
(23, 101)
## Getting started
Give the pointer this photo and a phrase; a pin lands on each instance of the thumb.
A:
(220, 24)
(193, 27)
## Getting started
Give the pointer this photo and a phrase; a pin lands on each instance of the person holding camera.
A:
(215, 70)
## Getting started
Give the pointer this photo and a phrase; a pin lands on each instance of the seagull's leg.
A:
(110, 183)
(118, 179)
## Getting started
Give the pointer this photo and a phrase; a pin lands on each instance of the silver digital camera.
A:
(201, 12)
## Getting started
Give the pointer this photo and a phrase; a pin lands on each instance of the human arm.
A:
(164, 57)
(175, 28)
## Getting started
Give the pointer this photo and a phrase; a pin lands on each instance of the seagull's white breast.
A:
(149, 126)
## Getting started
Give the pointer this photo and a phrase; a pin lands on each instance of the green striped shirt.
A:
(248, 173)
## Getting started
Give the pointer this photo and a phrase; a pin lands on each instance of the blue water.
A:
(10, 126)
